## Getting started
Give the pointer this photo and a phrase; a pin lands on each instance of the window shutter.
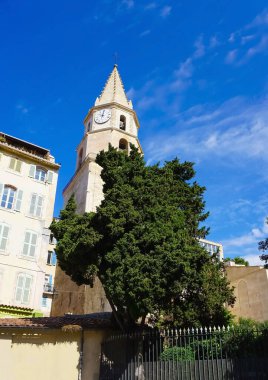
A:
(19, 287)
(49, 176)
(12, 163)
(26, 290)
(32, 205)
(1, 188)
(18, 165)
(50, 279)
(4, 235)
(18, 200)
(39, 206)
(32, 171)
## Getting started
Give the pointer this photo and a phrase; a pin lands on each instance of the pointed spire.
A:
(114, 91)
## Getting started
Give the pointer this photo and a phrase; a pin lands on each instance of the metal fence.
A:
(189, 354)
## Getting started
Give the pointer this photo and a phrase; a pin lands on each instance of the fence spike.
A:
(188, 330)
(209, 329)
(223, 328)
(214, 328)
(180, 331)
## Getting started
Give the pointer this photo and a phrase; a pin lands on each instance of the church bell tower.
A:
(111, 120)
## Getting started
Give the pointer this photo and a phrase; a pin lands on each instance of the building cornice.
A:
(31, 156)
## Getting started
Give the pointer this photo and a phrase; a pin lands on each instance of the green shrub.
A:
(178, 354)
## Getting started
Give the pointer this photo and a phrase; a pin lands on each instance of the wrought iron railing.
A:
(48, 288)
(189, 354)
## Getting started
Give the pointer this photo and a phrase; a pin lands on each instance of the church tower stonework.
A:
(111, 120)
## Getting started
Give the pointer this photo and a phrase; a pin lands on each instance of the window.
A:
(44, 302)
(48, 285)
(36, 205)
(4, 229)
(51, 258)
(8, 197)
(52, 239)
(123, 145)
(23, 288)
(15, 164)
(122, 123)
(30, 242)
(40, 174)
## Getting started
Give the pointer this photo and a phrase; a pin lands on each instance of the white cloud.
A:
(131, 93)
(22, 109)
(128, 3)
(150, 6)
(260, 47)
(237, 128)
(186, 69)
(260, 20)
(231, 56)
(199, 48)
(145, 33)
(165, 11)
(213, 42)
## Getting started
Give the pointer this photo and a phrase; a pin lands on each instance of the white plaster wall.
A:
(11, 261)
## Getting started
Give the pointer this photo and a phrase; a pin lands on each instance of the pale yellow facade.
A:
(251, 291)
(28, 182)
(47, 354)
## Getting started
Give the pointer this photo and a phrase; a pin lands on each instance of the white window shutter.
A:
(18, 200)
(4, 237)
(18, 165)
(49, 176)
(33, 204)
(32, 171)
(12, 163)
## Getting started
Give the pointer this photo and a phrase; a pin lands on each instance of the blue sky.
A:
(197, 73)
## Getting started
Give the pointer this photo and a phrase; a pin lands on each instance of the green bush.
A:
(178, 354)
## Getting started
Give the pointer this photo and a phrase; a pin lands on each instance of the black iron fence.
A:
(189, 354)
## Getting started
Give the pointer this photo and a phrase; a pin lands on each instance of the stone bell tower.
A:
(111, 120)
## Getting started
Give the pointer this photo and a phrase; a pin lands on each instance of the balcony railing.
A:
(48, 288)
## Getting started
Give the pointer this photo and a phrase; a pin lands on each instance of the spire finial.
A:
(115, 59)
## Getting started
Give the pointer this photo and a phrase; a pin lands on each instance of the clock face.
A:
(102, 116)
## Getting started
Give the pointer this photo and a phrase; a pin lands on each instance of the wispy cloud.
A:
(150, 6)
(24, 110)
(199, 48)
(128, 3)
(145, 33)
(236, 128)
(250, 40)
(260, 20)
(165, 11)
(231, 56)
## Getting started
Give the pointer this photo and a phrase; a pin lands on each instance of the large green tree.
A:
(142, 243)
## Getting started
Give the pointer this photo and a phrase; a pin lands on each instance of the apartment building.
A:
(28, 181)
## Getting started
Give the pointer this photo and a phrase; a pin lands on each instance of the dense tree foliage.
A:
(142, 243)
(238, 260)
(263, 246)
